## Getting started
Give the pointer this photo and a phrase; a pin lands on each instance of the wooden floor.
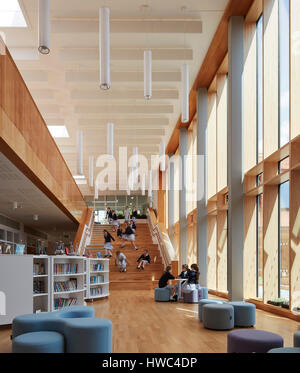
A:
(142, 325)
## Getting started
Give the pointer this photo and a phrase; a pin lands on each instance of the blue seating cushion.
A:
(38, 342)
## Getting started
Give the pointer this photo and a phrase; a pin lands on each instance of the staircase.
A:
(133, 279)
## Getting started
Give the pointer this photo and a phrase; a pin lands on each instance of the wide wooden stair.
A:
(133, 279)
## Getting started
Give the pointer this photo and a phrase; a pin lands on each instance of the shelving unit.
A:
(97, 280)
(41, 283)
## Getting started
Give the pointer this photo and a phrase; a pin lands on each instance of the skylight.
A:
(11, 14)
(58, 131)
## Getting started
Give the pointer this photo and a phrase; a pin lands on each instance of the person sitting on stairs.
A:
(121, 261)
(129, 236)
(143, 260)
(108, 245)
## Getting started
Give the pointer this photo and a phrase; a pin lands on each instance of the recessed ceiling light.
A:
(58, 131)
(11, 14)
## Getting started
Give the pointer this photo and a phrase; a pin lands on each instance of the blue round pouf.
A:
(88, 335)
(162, 294)
(297, 339)
(38, 342)
(244, 314)
(285, 350)
(202, 302)
(218, 316)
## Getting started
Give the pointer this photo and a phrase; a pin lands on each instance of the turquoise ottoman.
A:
(202, 302)
(285, 350)
(162, 294)
(203, 293)
(88, 335)
(297, 339)
(218, 316)
(244, 314)
(38, 342)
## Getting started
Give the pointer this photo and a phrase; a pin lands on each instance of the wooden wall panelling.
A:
(222, 251)
(221, 131)
(250, 247)
(294, 239)
(212, 252)
(250, 96)
(270, 242)
(295, 67)
(270, 81)
(211, 145)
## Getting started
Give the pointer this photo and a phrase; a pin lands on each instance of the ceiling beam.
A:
(125, 109)
(122, 94)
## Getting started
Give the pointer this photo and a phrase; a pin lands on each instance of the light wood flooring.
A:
(142, 325)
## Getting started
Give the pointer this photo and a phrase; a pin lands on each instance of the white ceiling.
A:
(65, 85)
(14, 186)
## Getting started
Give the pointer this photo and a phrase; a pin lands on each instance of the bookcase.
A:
(97, 278)
(41, 283)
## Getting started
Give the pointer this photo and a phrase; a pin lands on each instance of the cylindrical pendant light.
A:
(91, 170)
(104, 48)
(96, 195)
(150, 183)
(143, 184)
(135, 152)
(44, 26)
(147, 74)
(185, 93)
(110, 139)
(79, 152)
(163, 156)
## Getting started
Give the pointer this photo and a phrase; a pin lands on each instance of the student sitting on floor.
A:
(121, 261)
(163, 281)
(128, 236)
(143, 260)
(108, 245)
(183, 274)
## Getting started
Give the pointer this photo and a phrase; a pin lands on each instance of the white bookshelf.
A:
(63, 270)
(41, 283)
(97, 280)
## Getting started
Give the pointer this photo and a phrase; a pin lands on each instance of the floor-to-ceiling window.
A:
(259, 246)
(284, 72)
(284, 206)
(259, 88)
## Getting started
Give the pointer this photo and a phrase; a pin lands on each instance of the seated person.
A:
(163, 281)
(183, 274)
(192, 282)
(121, 261)
(143, 260)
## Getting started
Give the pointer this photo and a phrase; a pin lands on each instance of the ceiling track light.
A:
(163, 156)
(110, 139)
(80, 152)
(91, 171)
(148, 74)
(44, 26)
(104, 48)
(185, 93)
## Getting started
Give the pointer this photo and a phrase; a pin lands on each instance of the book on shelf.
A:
(38, 286)
(39, 269)
(64, 302)
(97, 267)
(65, 268)
(96, 291)
(96, 279)
(69, 285)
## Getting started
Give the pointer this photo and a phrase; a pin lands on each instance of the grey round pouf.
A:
(285, 350)
(244, 314)
(218, 316)
(297, 339)
(202, 302)
(249, 340)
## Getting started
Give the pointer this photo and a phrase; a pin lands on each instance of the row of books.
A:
(97, 267)
(96, 291)
(65, 268)
(96, 279)
(38, 287)
(64, 302)
(65, 285)
(39, 269)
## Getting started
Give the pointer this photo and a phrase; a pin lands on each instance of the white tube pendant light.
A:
(147, 74)
(143, 184)
(162, 156)
(110, 139)
(150, 183)
(136, 165)
(185, 93)
(79, 152)
(96, 195)
(91, 170)
(104, 48)
(44, 26)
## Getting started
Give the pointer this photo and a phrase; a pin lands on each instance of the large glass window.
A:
(284, 204)
(259, 247)
(284, 72)
(259, 88)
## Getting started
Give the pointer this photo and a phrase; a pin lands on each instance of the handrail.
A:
(86, 235)
(160, 234)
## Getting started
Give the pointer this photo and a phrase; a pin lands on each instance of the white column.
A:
(171, 200)
(235, 158)
(183, 148)
(202, 183)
